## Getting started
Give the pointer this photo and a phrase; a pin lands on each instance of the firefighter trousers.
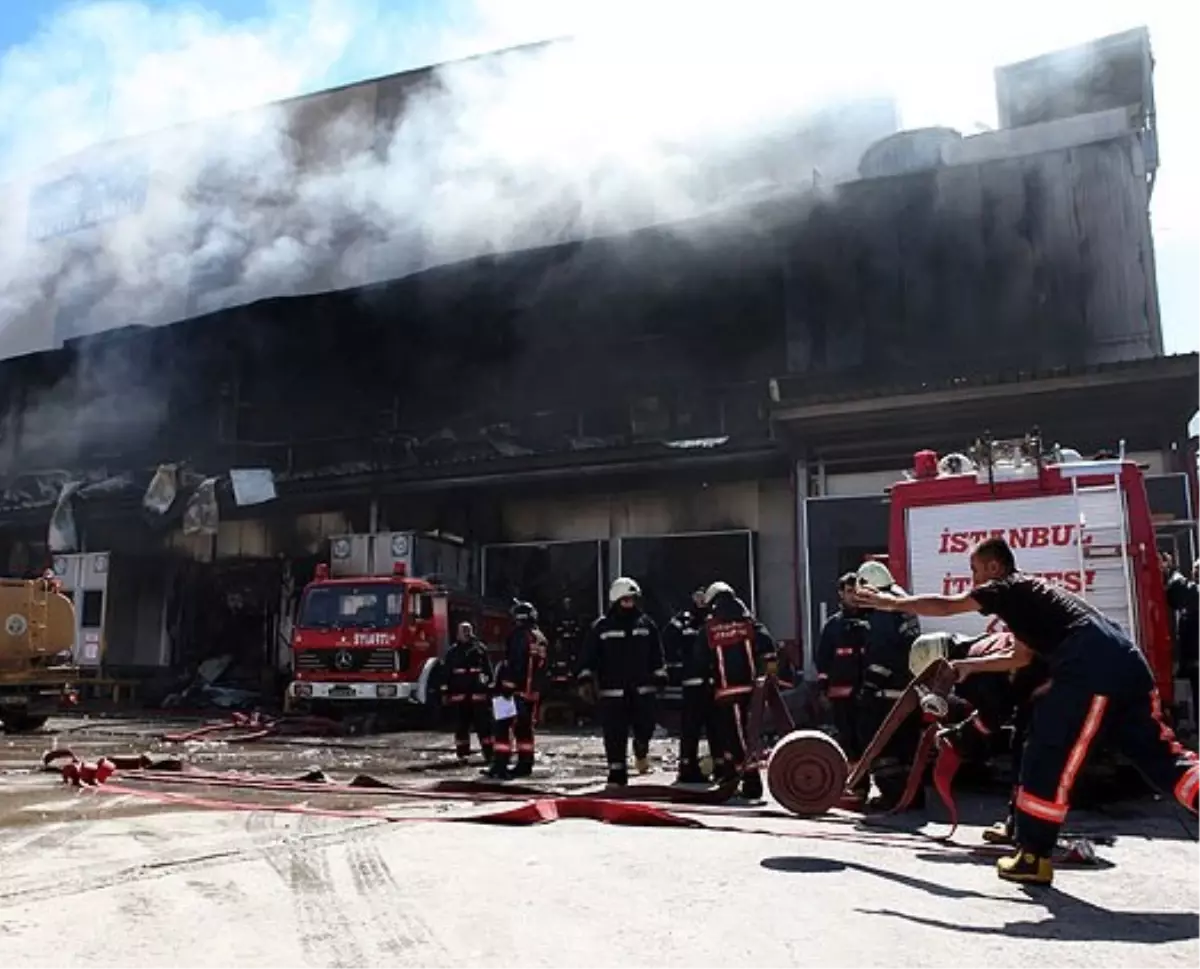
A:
(696, 717)
(629, 711)
(853, 723)
(731, 717)
(516, 733)
(473, 713)
(1101, 690)
(894, 763)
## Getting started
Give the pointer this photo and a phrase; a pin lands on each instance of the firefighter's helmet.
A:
(717, 589)
(623, 588)
(524, 611)
(876, 575)
(928, 649)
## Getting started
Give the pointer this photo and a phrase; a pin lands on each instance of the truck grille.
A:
(359, 660)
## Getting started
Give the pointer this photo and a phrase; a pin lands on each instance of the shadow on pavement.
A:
(1068, 918)
(819, 866)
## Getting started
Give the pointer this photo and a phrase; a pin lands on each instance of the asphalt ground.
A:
(105, 878)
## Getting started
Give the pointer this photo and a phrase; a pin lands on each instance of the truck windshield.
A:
(356, 606)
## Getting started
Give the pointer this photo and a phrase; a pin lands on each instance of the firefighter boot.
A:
(690, 774)
(642, 765)
(497, 768)
(752, 786)
(618, 775)
(1026, 867)
(524, 766)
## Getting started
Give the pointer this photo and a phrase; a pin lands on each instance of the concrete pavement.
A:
(101, 880)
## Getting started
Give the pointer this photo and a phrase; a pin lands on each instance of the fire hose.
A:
(248, 727)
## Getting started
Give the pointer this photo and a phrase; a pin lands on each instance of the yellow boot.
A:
(641, 765)
(1027, 868)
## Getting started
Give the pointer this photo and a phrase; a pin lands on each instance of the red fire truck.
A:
(369, 634)
(1084, 524)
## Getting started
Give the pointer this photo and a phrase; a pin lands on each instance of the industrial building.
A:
(726, 396)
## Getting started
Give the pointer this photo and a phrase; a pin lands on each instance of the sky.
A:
(67, 69)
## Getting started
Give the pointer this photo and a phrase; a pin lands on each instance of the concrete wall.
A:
(764, 507)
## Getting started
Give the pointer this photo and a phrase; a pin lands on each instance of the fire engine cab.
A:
(369, 632)
(1082, 524)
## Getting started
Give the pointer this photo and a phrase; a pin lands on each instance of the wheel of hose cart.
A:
(807, 772)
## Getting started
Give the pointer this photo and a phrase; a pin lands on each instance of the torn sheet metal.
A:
(163, 490)
(63, 535)
(252, 486)
(201, 515)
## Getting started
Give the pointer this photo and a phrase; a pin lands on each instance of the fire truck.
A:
(372, 627)
(1082, 524)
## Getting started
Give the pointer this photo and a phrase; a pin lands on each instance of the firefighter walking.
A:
(683, 645)
(465, 690)
(841, 655)
(739, 650)
(519, 679)
(623, 663)
(1100, 684)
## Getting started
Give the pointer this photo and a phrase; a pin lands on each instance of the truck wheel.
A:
(23, 723)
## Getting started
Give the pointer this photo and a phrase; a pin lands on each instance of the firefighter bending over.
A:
(466, 691)
(1098, 680)
(841, 655)
(519, 678)
(739, 649)
(623, 662)
(682, 641)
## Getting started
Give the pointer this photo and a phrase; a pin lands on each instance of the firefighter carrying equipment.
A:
(519, 676)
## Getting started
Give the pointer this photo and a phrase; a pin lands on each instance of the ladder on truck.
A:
(1102, 544)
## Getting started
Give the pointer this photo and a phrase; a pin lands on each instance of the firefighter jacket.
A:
(680, 652)
(623, 652)
(523, 668)
(885, 672)
(1182, 598)
(468, 672)
(739, 648)
(564, 650)
(841, 655)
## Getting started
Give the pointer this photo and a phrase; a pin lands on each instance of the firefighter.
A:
(884, 678)
(623, 662)
(679, 638)
(1098, 680)
(684, 648)
(465, 689)
(519, 678)
(564, 653)
(739, 650)
(1184, 600)
(840, 659)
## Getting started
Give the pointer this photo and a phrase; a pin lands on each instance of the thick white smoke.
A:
(651, 113)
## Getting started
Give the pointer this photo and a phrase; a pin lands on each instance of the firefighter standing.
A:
(465, 689)
(840, 658)
(884, 679)
(1098, 679)
(519, 678)
(623, 662)
(564, 651)
(684, 647)
(739, 650)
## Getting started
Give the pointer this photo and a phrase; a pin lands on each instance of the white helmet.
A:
(928, 649)
(876, 575)
(623, 588)
(715, 590)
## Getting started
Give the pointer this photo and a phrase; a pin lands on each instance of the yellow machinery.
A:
(37, 634)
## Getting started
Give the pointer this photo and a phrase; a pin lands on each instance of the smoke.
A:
(146, 182)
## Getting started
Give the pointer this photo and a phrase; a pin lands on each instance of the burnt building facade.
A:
(666, 401)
